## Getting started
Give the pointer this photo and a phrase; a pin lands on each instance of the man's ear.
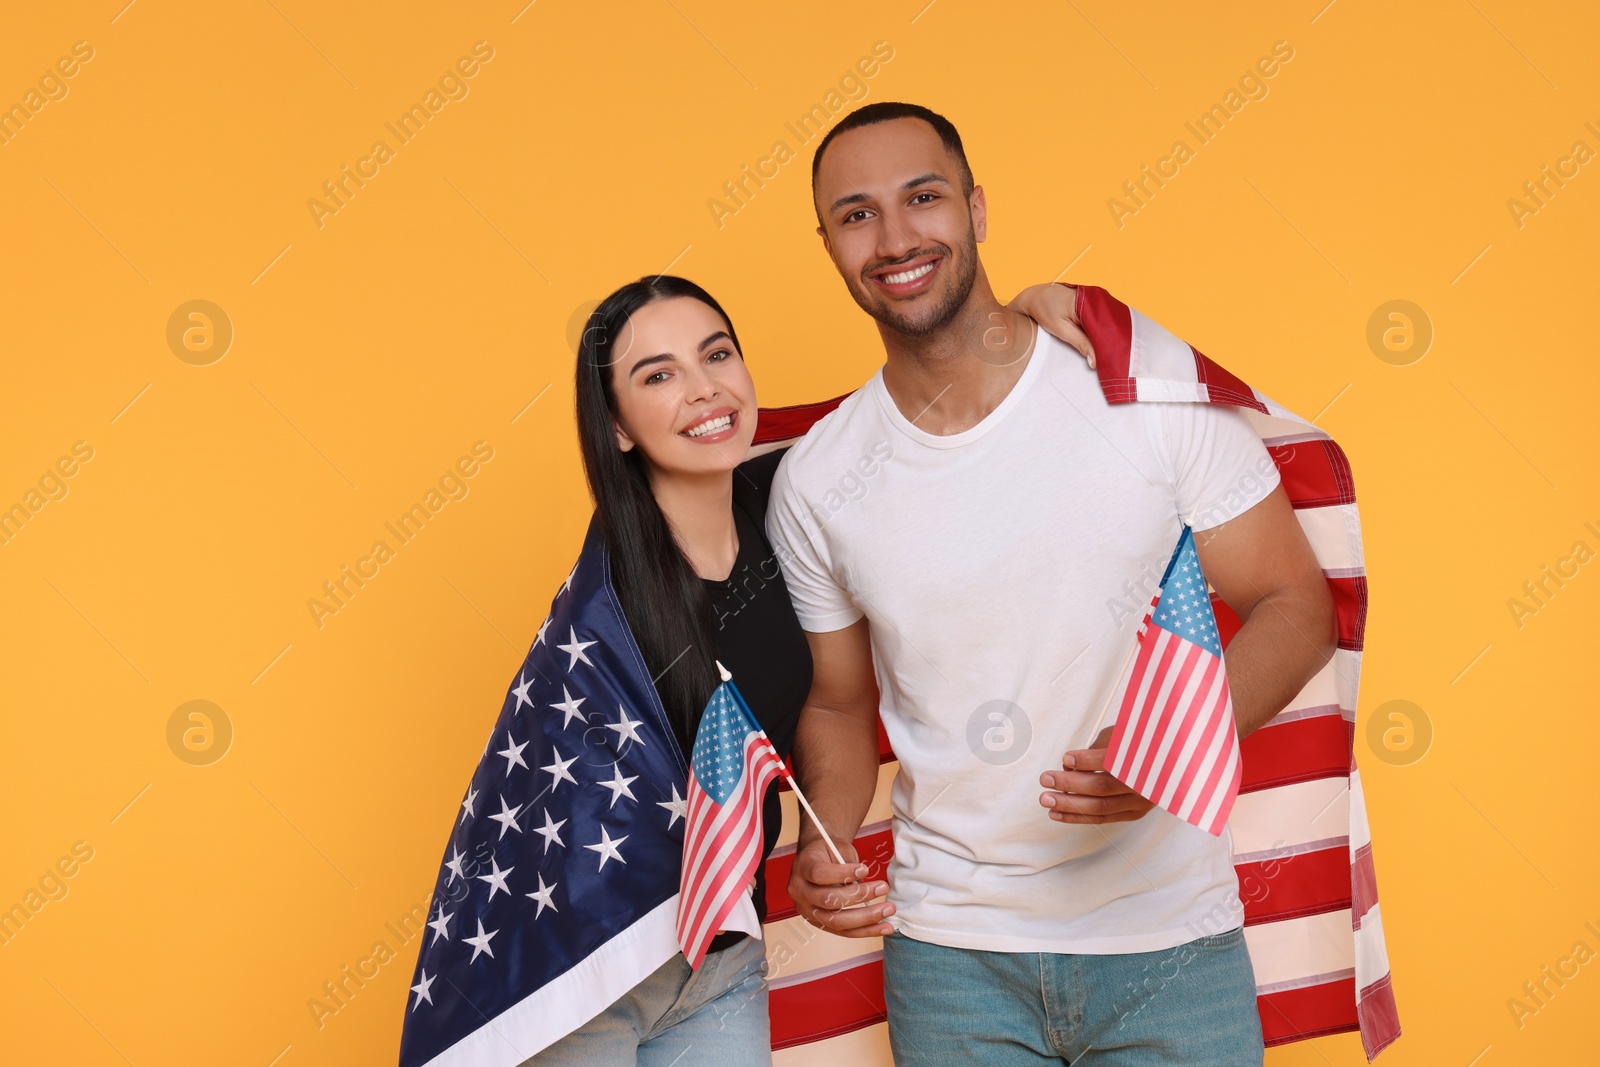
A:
(827, 245)
(980, 213)
(624, 442)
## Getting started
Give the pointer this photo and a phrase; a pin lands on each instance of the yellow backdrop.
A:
(239, 339)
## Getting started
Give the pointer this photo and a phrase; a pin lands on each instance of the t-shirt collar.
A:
(1043, 346)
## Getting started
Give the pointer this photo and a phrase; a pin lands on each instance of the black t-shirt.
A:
(760, 641)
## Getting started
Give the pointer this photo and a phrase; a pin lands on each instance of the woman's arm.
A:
(1054, 306)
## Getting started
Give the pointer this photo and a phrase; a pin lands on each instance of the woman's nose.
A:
(700, 385)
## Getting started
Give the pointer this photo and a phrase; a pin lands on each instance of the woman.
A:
(676, 571)
(666, 417)
(666, 414)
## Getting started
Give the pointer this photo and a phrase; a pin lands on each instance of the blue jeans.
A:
(717, 1014)
(1193, 1005)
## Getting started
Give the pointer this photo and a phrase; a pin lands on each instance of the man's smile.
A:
(907, 279)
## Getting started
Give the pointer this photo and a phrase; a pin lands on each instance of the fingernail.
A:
(1069, 761)
(1049, 799)
(861, 872)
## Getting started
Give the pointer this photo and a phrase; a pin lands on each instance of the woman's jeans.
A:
(1192, 1005)
(675, 1016)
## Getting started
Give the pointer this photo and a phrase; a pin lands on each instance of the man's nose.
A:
(897, 238)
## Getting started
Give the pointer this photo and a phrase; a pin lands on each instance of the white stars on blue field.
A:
(1185, 607)
(719, 746)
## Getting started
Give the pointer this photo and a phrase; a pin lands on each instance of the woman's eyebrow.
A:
(668, 357)
(664, 357)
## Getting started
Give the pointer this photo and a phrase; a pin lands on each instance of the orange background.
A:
(435, 310)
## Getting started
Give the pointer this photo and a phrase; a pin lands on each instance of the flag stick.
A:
(1098, 719)
(804, 803)
(801, 797)
(1188, 529)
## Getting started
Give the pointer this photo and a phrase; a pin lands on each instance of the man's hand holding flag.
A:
(1174, 744)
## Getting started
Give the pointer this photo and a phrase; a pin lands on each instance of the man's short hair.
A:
(887, 111)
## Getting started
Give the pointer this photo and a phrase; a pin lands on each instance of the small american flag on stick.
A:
(730, 767)
(1174, 742)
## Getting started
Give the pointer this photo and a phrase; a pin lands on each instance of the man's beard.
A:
(946, 307)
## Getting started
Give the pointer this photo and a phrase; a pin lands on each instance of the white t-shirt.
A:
(1004, 571)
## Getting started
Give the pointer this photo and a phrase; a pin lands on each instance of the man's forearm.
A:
(836, 762)
(1281, 647)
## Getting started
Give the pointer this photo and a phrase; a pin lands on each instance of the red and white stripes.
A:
(1178, 746)
(722, 845)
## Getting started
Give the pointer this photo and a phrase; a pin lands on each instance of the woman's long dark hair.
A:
(665, 603)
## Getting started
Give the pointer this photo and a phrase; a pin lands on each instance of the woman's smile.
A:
(715, 426)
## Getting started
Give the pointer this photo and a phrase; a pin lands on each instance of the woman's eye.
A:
(720, 354)
(661, 374)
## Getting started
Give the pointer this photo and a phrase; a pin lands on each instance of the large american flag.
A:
(1303, 851)
(730, 767)
(559, 887)
(1174, 741)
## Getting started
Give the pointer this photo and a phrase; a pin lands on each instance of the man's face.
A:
(896, 224)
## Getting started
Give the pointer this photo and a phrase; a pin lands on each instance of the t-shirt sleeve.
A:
(821, 601)
(1218, 466)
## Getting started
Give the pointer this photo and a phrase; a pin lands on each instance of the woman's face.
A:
(684, 395)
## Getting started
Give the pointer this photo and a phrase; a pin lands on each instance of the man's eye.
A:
(855, 215)
(920, 196)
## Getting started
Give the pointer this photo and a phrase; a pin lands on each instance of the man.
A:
(961, 591)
